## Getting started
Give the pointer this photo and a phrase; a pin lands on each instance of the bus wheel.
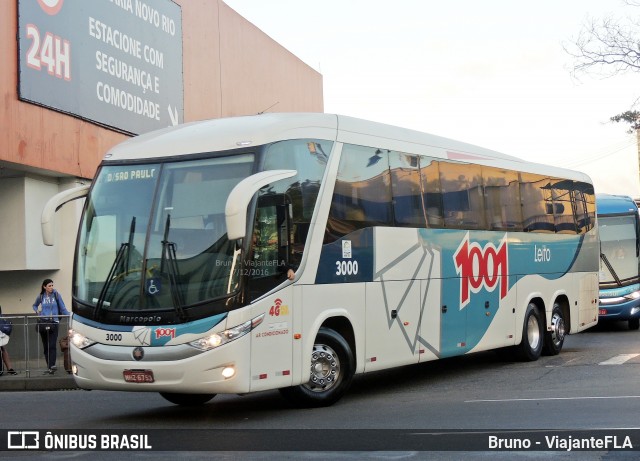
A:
(554, 339)
(187, 400)
(634, 324)
(530, 347)
(332, 369)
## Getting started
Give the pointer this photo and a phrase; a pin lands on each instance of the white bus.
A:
(406, 247)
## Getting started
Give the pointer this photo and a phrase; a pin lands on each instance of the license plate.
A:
(603, 312)
(138, 376)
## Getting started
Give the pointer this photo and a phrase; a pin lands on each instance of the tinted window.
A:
(406, 186)
(502, 199)
(536, 214)
(377, 187)
(362, 194)
(585, 200)
(284, 211)
(462, 196)
(430, 173)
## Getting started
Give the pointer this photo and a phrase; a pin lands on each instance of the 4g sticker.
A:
(278, 309)
(279, 327)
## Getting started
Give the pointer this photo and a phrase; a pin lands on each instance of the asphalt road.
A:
(592, 385)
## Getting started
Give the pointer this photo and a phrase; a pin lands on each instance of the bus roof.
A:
(615, 204)
(231, 133)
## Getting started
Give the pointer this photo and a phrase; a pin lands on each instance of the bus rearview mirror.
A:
(240, 196)
(53, 205)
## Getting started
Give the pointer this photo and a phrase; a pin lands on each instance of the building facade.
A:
(54, 134)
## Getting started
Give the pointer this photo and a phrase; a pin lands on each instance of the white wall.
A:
(21, 203)
(25, 261)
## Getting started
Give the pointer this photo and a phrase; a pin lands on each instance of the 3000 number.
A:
(346, 267)
(114, 337)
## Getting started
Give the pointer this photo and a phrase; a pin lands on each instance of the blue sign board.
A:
(117, 63)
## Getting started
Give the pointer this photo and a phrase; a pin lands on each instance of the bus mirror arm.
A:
(236, 207)
(53, 205)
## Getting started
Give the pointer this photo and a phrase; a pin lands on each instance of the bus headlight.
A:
(223, 337)
(79, 340)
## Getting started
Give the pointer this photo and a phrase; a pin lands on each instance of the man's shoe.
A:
(12, 371)
(50, 371)
(53, 368)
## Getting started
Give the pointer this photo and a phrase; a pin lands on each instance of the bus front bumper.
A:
(621, 308)
(211, 372)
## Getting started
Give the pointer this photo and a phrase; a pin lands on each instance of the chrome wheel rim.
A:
(557, 329)
(533, 332)
(325, 369)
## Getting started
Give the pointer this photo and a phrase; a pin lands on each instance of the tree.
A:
(609, 47)
(632, 117)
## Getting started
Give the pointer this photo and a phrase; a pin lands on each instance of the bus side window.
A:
(432, 192)
(462, 196)
(268, 255)
(535, 217)
(502, 199)
(408, 205)
(585, 206)
(300, 192)
(362, 194)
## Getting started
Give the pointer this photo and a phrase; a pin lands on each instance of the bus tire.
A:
(187, 400)
(634, 324)
(530, 348)
(554, 339)
(332, 369)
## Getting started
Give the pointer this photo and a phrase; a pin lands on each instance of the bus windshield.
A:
(618, 240)
(153, 236)
(153, 241)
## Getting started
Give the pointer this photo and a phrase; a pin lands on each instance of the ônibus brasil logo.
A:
(481, 267)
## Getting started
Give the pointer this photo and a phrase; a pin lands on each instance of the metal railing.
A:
(25, 345)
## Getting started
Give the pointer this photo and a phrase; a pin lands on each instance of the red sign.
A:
(481, 267)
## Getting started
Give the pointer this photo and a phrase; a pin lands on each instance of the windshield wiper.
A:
(606, 262)
(170, 259)
(125, 248)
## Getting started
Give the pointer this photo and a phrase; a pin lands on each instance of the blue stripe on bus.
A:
(547, 255)
(330, 267)
(619, 291)
(195, 327)
(550, 256)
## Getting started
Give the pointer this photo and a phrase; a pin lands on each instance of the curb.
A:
(38, 383)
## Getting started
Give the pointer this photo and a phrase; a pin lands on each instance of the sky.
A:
(493, 73)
